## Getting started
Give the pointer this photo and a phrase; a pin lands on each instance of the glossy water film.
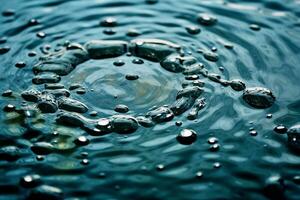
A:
(150, 99)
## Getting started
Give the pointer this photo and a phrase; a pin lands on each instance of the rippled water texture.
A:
(236, 153)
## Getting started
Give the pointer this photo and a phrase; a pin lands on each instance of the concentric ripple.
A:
(236, 139)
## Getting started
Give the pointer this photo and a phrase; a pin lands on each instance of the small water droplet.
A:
(119, 63)
(138, 61)
(199, 174)
(20, 64)
(193, 30)
(178, 123)
(269, 116)
(9, 108)
(133, 33)
(254, 27)
(186, 137)
(7, 93)
(214, 147)
(85, 161)
(121, 108)
(109, 31)
(217, 165)
(212, 140)
(4, 50)
(8, 13)
(33, 22)
(253, 133)
(206, 19)
(41, 34)
(280, 129)
(32, 54)
(131, 77)
(109, 22)
(82, 141)
(160, 167)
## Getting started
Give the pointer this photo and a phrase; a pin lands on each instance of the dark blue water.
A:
(256, 42)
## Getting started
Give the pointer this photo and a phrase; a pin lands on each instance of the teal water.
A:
(150, 163)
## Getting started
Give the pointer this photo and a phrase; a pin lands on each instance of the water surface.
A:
(150, 163)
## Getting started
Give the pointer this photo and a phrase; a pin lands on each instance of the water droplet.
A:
(280, 129)
(138, 61)
(30, 181)
(214, 147)
(109, 31)
(254, 27)
(131, 77)
(3, 40)
(274, 187)
(42, 148)
(193, 30)
(7, 93)
(178, 123)
(4, 50)
(294, 137)
(191, 77)
(75, 86)
(32, 54)
(93, 113)
(85, 161)
(40, 158)
(269, 116)
(187, 137)
(9, 108)
(160, 167)
(8, 13)
(119, 63)
(199, 174)
(211, 56)
(84, 154)
(103, 122)
(206, 19)
(133, 33)
(228, 46)
(124, 124)
(296, 179)
(259, 97)
(20, 64)
(41, 34)
(217, 165)
(81, 91)
(214, 49)
(82, 141)
(33, 22)
(237, 85)
(212, 140)
(121, 108)
(253, 132)
(109, 22)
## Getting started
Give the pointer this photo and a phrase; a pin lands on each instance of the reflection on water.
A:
(237, 154)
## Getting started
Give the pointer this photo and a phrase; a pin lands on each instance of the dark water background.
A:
(269, 58)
